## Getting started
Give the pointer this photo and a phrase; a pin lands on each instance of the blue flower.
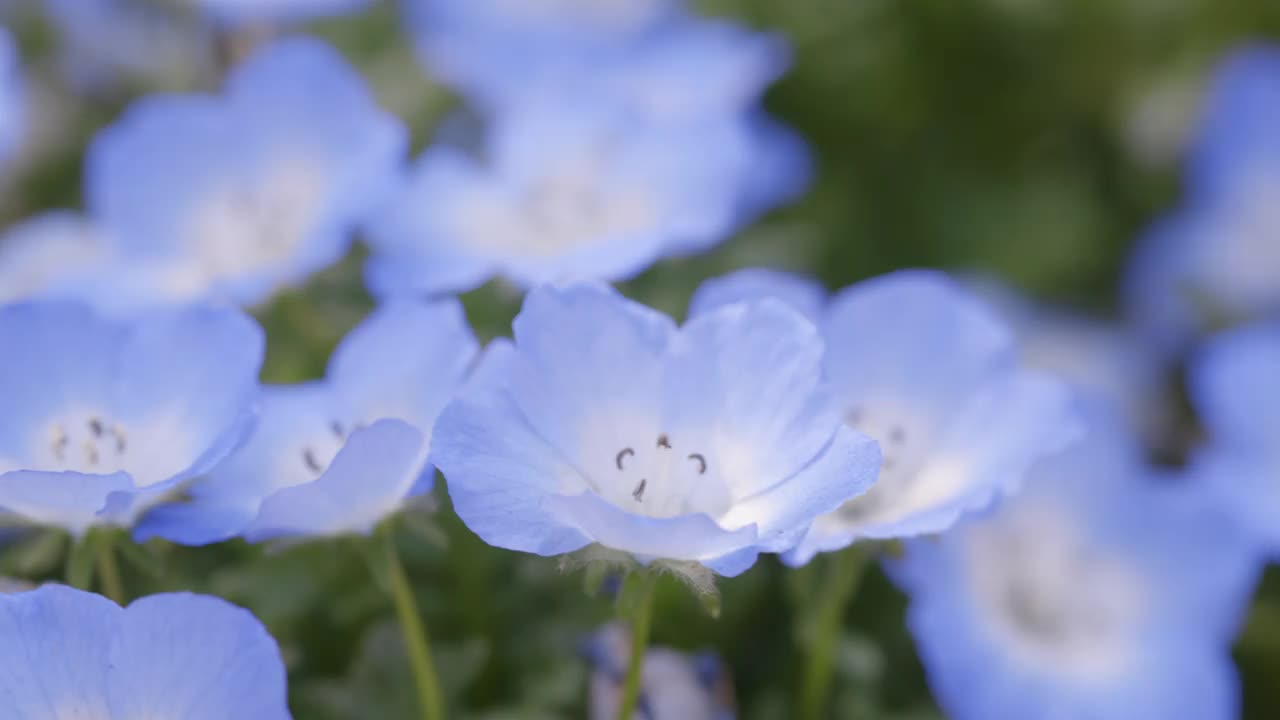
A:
(1096, 592)
(955, 435)
(104, 419)
(1235, 385)
(13, 105)
(673, 685)
(237, 196)
(339, 455)
(604, 423)
(248, 11)
(1102, 360)
(1214, 261)
(568, 189)
(73, 654)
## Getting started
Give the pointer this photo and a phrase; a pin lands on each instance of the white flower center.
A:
(900, 448)
(570, 206)
(1056, 598)
(244, 227)
(661, 479)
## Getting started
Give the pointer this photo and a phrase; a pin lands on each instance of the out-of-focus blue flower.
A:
(1095, 592)
(338, 455)
(955, 434)
(604, 423)
(13, 104)
(105, 42)
(1100, 359)
(237, 196)
(245, 11)
(103, 419)
(1216, 260)
(567, 189)
(1235, 386)
(673, 685)
(48, 255)
(73, 654)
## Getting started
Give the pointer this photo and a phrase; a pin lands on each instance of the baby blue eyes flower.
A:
(955, 435)
(1213, 262)
(605, 423)
(236, 196)
(104, 419)
(1096, 592)
(339, 455)
(1101, 360)
(567, 190)
(73, 654)
(1235, 386)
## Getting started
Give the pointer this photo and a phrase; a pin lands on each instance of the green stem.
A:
(79, 571)
(108, 568)
(641, 621)
(844, 570)
(415, 632)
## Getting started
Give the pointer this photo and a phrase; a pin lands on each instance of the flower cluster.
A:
(989, 450)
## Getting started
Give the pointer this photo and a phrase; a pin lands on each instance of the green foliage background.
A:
(1032, 139)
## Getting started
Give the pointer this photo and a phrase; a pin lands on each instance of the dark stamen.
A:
(336, 428)
(638, 493)
(309, 457)
(624, 452)
(95, 427)
(664, 441)
(702, 463)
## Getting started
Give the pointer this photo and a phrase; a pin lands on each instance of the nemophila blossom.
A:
(565, 189)
(105, 419)
(236, 196)
(1235, 387)
(1216, 260)
(1099, 358)
(1095, 592)
(73, 654)
(930, 372)
(339, 455)
(673, 685)
(13, 105)
(49, 254)
(605, 423)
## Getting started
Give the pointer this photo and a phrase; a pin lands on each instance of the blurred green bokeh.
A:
(1030, 139)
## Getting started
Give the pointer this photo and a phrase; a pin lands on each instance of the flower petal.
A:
(53, 658)
(195, 657)
(367, 481)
